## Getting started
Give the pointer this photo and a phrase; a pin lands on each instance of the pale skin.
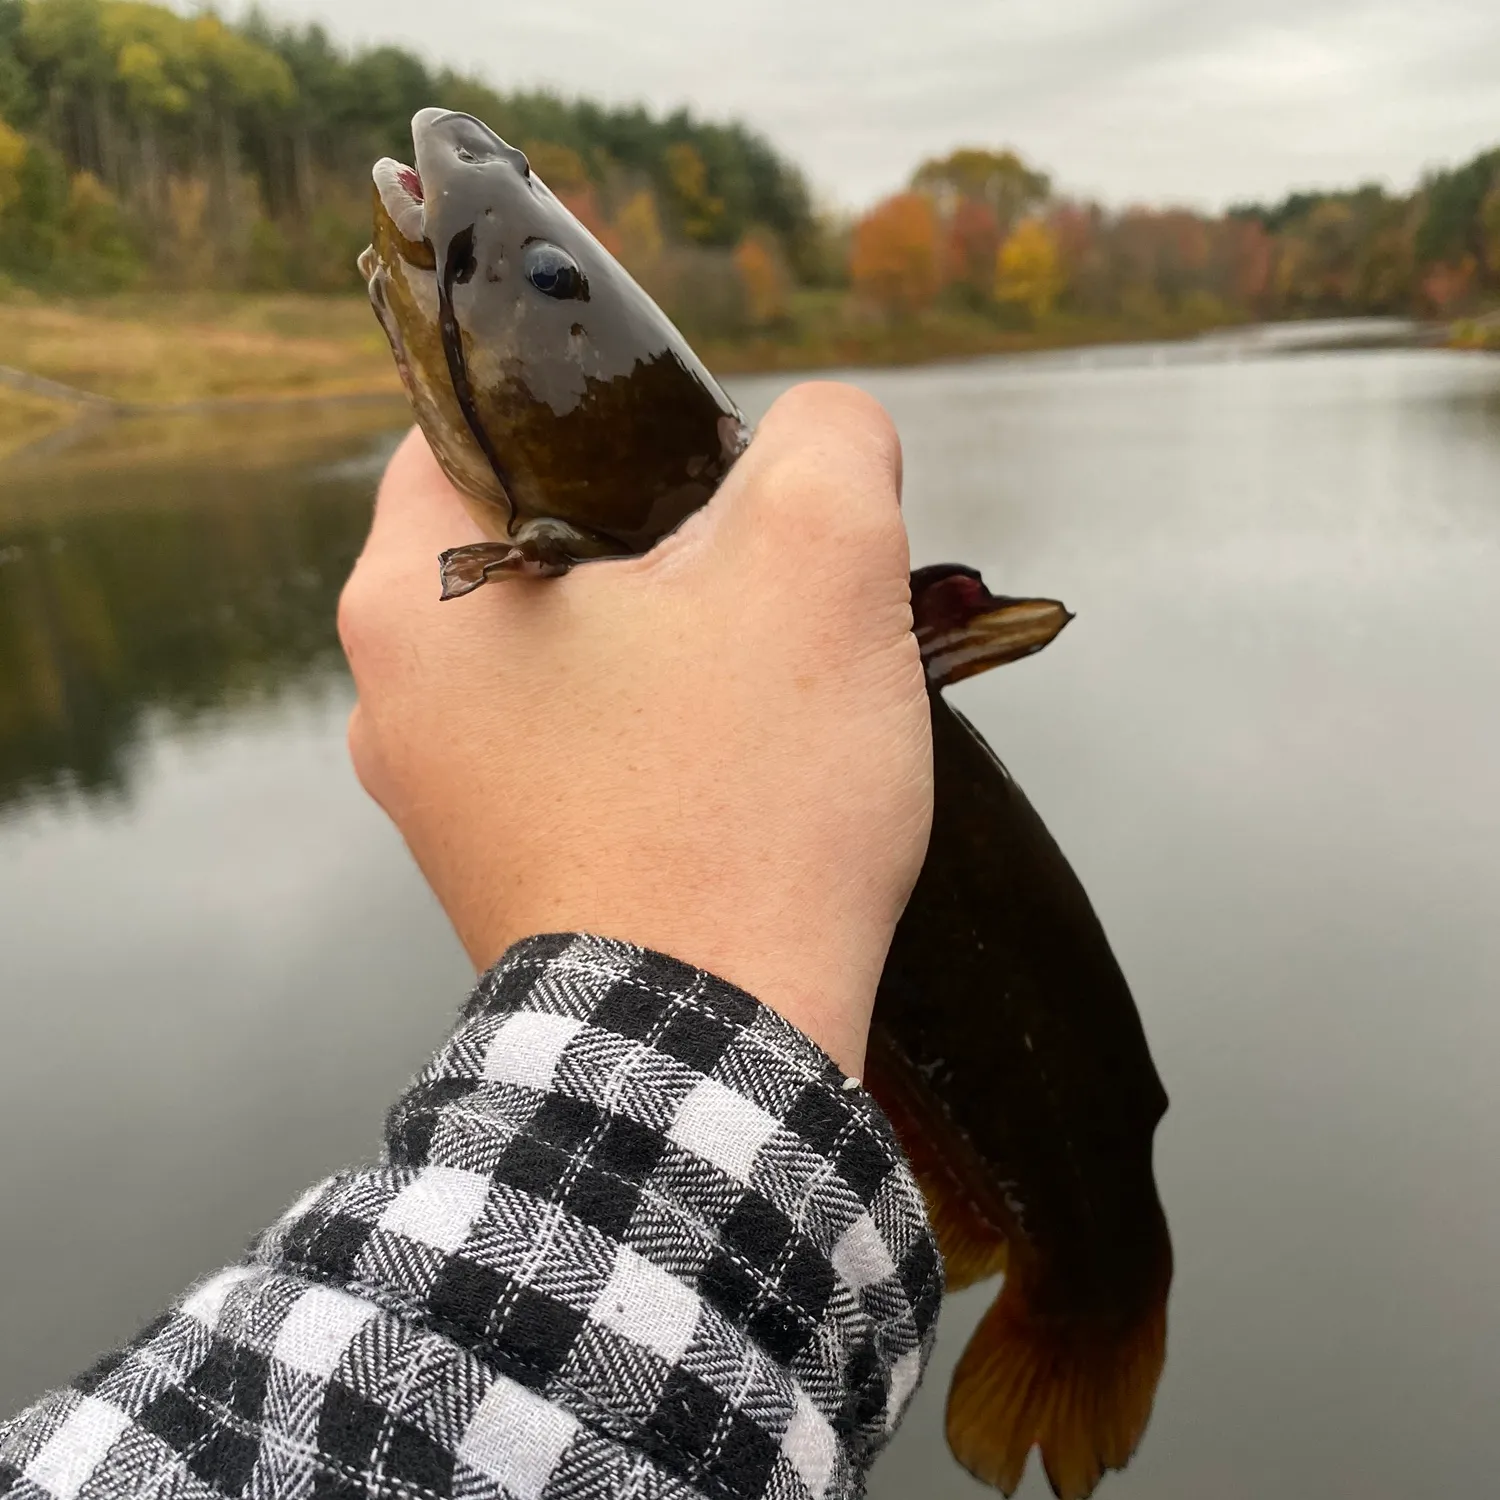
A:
(720, 750)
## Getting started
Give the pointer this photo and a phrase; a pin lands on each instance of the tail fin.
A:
(1082, 1395)
(962, 628)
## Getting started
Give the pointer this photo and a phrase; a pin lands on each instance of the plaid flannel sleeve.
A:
(631, 1234)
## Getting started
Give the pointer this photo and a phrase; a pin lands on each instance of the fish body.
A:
(1006, 1046)
(513, 319)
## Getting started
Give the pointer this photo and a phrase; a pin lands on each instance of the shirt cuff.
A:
(631, 1233)
(643, 1195)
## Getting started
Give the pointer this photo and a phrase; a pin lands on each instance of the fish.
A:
(570, 413)
(1000, 990)
(1006, 1047)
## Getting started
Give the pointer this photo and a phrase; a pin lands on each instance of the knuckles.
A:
(828, 476)
(362, 753)
(357, 617)
(367, 611)
(822, 517)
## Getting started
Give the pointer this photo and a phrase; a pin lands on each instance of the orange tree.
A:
(895, 259)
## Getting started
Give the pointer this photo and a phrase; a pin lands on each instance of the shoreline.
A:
(71, 371)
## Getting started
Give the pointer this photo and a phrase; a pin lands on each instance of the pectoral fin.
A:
(464, 569)
(539, 548)
(962, 628)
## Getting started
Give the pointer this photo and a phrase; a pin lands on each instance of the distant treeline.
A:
(984, 227)
(139, 146)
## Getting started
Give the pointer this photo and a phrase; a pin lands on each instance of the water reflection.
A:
(171, 591)
(1268, 746)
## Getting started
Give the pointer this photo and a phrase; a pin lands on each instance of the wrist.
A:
(822, 983)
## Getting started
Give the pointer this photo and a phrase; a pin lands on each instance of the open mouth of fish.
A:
(400, 189)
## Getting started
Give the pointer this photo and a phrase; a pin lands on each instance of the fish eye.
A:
(553, 272)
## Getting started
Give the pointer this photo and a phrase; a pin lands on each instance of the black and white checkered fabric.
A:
(632, 1234)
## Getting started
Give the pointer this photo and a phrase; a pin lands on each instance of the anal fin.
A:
(972, 1248)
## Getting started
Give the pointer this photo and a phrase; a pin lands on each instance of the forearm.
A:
(631, 1234)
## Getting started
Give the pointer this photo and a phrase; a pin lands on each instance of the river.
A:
(1269, 744)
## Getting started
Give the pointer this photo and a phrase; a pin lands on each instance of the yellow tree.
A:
(12, 159)
(896, 259)
(560, 167)
(637, 233)
(1028, 268)
(701, 211)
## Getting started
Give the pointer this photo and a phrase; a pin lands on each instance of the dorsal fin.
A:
(963, 628)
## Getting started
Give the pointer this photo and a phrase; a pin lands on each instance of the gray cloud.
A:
(1183, 100)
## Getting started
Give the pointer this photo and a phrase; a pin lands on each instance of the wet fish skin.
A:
(1006, 1040)
(600, 428)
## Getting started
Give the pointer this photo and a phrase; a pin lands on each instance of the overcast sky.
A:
(1192, 101)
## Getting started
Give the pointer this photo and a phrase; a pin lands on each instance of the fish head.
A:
(552, 388)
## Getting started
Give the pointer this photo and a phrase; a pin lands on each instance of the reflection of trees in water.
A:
(197, 592)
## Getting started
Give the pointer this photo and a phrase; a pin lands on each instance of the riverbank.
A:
(63, 362)
(68, 367)
(70, 362)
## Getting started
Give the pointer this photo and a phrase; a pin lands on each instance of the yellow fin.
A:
(1081, 1395)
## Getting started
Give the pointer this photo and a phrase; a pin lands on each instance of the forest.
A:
(143, 148)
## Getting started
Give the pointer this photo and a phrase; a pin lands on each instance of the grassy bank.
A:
(154, 352)
(1481, 333)
(158, 350)
(163, 347)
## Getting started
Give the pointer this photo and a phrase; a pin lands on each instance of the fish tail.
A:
(1081, 1395)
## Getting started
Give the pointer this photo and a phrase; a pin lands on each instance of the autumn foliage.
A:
(143, 145)
(896, 260)
(1008, 245)
(973, 243)
(1028, 269)
(763, 275)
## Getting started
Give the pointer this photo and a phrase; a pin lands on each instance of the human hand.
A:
(720, 750)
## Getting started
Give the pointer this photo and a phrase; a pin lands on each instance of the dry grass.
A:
(261, 438)
(25, 418)
(167, 347)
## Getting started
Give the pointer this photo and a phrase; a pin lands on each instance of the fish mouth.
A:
(402, 196)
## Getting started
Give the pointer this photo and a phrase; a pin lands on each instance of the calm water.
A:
(1269, 744)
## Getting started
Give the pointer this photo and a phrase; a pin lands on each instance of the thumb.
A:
(819, 489)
